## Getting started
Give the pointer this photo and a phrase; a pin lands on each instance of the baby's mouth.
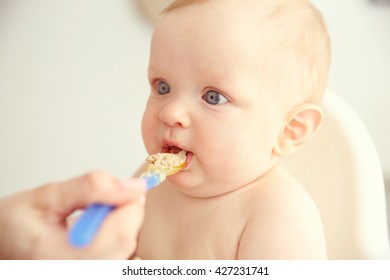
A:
(171, 149)
(176, 150)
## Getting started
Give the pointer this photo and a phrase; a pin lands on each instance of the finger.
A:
(100, 187)
(94, 187)
(117, 237)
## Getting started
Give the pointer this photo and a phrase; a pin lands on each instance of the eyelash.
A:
(215, 98)
(154, 84)
(157, 82)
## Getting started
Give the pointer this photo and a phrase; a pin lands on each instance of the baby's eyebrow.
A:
(154, 72)
(149, 71)
(152, 69)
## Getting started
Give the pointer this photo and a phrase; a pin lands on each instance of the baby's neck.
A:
(265, 180)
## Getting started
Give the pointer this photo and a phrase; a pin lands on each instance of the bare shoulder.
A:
(284, 222)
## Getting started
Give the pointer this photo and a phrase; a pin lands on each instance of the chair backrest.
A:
(341, 170)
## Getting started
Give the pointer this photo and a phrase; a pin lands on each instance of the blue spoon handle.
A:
(86, 227)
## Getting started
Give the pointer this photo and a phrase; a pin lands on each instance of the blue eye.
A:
(214, 98)
(163, 87)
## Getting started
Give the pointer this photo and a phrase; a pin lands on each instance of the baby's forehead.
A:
(274, 19)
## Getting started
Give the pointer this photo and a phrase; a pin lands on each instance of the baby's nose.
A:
(175, 113)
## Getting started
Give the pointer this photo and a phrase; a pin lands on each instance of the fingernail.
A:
(133, 183)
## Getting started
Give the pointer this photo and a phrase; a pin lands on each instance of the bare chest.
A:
(190, 232)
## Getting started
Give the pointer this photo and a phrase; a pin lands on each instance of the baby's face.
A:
(208, 98)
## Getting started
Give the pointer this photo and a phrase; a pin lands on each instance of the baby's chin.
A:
(189, 184)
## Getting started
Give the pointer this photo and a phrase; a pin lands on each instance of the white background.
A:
(73, 83)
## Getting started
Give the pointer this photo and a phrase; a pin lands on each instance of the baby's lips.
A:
(170, 149)
(188, 161)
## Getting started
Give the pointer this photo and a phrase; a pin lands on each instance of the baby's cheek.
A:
(148, 129)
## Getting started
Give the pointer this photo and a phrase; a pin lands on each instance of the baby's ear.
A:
(302, 124)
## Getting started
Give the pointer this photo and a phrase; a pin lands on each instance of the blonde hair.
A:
(300, 46)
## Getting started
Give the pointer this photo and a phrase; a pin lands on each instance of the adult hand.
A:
(33, 223)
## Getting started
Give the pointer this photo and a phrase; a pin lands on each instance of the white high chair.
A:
(340, 168)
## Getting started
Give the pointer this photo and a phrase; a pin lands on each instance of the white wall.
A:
(360, 70)
(73, 83)
(72, 89)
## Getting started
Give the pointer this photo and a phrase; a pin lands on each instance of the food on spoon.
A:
(165, 163)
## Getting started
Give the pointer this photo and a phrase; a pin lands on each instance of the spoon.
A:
(159, 167)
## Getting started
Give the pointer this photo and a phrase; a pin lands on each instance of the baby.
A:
(236, 85)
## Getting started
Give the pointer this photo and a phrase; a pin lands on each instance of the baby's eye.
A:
(163, 87)
(212, 97)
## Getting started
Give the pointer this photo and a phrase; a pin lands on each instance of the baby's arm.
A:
(286, 227)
